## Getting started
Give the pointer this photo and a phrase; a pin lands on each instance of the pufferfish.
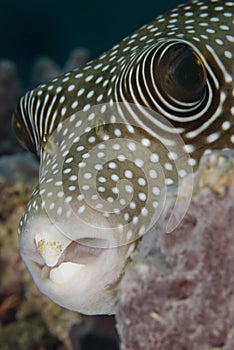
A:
(112, 137)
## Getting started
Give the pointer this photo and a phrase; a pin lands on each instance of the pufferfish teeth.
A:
(50, 249)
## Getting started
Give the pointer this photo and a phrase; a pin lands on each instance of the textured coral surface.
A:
(179, 293)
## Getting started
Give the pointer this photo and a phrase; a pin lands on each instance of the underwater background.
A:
(30, 29)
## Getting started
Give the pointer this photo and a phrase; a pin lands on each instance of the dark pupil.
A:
(185, 74)
(188, 73)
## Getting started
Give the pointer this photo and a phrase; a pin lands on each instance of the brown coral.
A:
(179, 294)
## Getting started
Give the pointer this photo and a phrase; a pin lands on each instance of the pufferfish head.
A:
(113, 137)
(101, 187)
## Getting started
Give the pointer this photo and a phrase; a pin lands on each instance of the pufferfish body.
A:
(112, 137)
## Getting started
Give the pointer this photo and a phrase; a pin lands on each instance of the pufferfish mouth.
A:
(55, 256)
(78, 272)
(56, 259)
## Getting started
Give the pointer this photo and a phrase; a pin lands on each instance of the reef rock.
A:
(179, 292)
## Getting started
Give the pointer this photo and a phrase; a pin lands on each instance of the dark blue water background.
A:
(33, 28)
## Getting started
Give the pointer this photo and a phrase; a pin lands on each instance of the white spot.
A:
(219, 8)
(213, 137)
(80, 92)
(112, 165)
(128, 188)
(73, 178)
(78, 123)
(219, 41)
(214, 19)
(132, 205)
(130, 129)
(97, 66)
(168, 166)
(62, 99)
(188, 14)
(115, 177)
(68, 199)
(67, 170)
(172, 155)
(144, 211)
(100, 154)
(101, 189)
(230, 38)
(122, 201)
(71, 87)
(69, 160)
(51, 206)
(86, 107)
(81, 209)
(154, 158)
(224, 27)
(91, 139)
(182, 173)
(71, 188)
(98, 167)
(132, 146)
(129, 236)
(141, 181)
(89, 78)
(90, 94)
(99, 79)
(116, 147)
(139, 163)
(80, 197)
(210, 30)
(128, 174)
(102, 179)
(80, 148)
(82, 165)
(117, 132)
(79, 75)
(228, 54)
(115, 190)
(156, 191)
(153, 174)
(142, 196)
(192, 161)
(91, 116)
(226, 125)
(121, 157)
(74, 104)
(99, 98)
(146, 142)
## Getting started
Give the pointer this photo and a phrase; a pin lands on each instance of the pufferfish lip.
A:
(82, 252)
(58, 264)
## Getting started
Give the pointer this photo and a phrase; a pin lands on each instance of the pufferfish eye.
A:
(181, 74)
(21, 133)
(17, 129)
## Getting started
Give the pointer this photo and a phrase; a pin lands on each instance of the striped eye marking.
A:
(112, 137)
(182, 75)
